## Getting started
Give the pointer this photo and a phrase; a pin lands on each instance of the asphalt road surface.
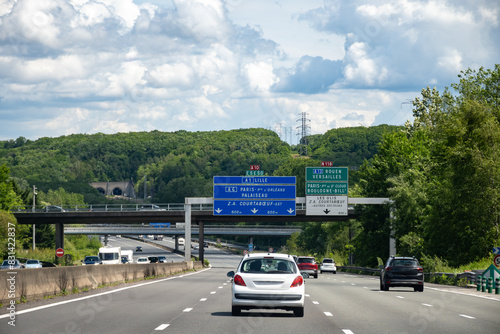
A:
(199, 302)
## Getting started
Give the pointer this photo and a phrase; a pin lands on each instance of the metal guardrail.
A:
(119, 208)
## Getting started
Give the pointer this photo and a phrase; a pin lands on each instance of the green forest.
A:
(441, 171)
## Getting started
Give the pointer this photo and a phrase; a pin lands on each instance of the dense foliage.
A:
(442, 173)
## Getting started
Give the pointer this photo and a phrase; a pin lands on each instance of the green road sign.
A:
(255, 173)
(326, 188)
(332, 174)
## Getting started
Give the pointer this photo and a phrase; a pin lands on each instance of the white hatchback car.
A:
(328, 265)
(267, 281)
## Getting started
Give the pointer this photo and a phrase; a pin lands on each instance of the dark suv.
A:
(402, 271)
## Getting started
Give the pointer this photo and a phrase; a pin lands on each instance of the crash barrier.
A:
(31, 284)
(469, 276)
(487, 284)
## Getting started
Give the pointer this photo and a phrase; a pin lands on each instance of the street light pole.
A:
(34, 196)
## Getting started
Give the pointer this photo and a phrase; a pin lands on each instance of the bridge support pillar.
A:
(187, 220)
(59, 236)
(392, 240)
(201, 241)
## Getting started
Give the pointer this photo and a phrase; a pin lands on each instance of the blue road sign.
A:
(496, 250)
(254, 207)
(254, 179)
(159, 225)
(252, 191)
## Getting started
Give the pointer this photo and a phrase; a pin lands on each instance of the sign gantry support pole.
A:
(187, 231)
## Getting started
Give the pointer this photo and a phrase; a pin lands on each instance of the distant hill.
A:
(172, 165)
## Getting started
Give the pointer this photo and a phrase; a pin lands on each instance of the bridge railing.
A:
(118, 207)
(101, 207)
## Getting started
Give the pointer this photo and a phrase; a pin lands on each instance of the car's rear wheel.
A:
(316, 275)
(419, 288)
(298, 312)
(235, 310)
(383, 287)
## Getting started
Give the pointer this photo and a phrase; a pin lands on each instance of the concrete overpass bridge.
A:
(195, 211)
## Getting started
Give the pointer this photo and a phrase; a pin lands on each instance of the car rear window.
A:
(305, 260)
(327, 261)
(405, 263)
(268, 266)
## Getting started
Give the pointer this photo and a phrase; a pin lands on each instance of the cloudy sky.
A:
(88, 66)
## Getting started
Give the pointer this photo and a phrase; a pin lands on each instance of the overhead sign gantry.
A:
(254, 195)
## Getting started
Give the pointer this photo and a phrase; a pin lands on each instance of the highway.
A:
(217, 257)
(199, 302)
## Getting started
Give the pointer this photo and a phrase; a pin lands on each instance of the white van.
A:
(110, 255)
(182, 242)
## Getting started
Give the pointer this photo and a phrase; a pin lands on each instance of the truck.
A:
(110, 255)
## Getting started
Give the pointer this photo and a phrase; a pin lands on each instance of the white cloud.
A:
(361, 69)
(123, 65)
(260, 75)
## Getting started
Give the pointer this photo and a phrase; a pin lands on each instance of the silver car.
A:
(11, 264)
(33, 264)
(267, 281)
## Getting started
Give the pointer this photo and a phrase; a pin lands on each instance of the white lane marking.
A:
(315, 302)
(347, 331)
(220, 287)
(353, 283)
(307, 295)
(365, 287)
(203, 299)
(187, 309)
(428, 305)
(99, 294)
(464, 294)
(400, 297)
(212, 293)
(224, 283)
(328, 314)
(161, 327)
(467, 316)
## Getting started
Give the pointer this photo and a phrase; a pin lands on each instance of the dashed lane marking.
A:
(328, 314)
(467, 316)
(161, 327)
(189, 309)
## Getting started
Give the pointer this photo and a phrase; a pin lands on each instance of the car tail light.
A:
(388, 268)
(420, 270)
(298, 281)
(238, 280)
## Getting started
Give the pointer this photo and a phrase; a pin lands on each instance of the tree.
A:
(8, 196)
